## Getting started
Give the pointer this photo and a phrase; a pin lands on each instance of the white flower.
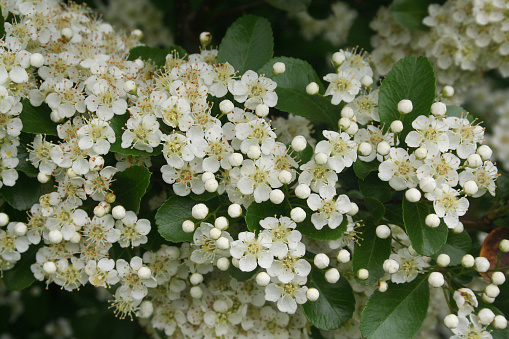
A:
(100, 232)
(255, 132)
(409, 266)
(98, 183)
(329, 211)
(373, 135)
(133, 231)
(96, 136)
(316, 175)
(105, 101)
(223, 78)
(441, 168)
(70, 275)
(463, 136)
(132, 286)
(465, 300)
(287, 296)
(66, 99)
(343, 86)
(251, 250)
(448, 205)
(102, 273)
(212, 143)
(253, 90)
(185, 179)
(205, 250)
(286, 268)
(430, 133)
(176, 112)
(177, 149)
(342, 151)
(283, 234)
(142, 133)
(484, 176)
(258, 177)
(399, 169)
(470, 329)
(11, 244)
(8, 174)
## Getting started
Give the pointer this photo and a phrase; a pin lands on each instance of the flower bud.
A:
(383, 148)
(43, 178)
(500, 322)
(413, 195)
(485, 152)
(366, 81)
(332, 275)
(298, 214)
(223, 264)
(302, 191)
(205, 39)
(312, 88)
(470, 187)
(436, 279)
(337, 59)
(55, 236)
(321, 260)
(196, 279)
(262, 110)
(421, 153)
(66, 33)
(504, 245)
(262, 279)
(215, 233)
(354, 208)
(481, 264)
(312, 294)
(443, 260)
(343, 256)
(397, 126)
(236, 159)
(383, 231)
(321, 158)
(448, 91)
(221, 223)
(382, 286)
(49, 267)
(279, 68)
(130, 87)
(486, 316)
(223, 243)
(474, 160)
(4, 219)
(211, 185)
(405, 106)
(363, 274)
(438, 109)
(188, 226)
(234, 210)
(226, 106)
(347, 112)
(492, 290)
(96, 163)
(451, 321)
(467, 261)
(427, 184)
(344, 123)
(391, 266)
(254, 152)
(118, 212)
(196, 292)
(365, 149)
(20, 229)
(285, 177)
(36, 60)
(200, 211)
(144, 273)
(498, 278)
(299, 143)
(432, 220)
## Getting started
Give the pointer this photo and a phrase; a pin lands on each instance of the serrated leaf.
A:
(36, 120)
(334, 306)
(425, 240)
(411, 78)
(291, 91)
(370, 253)
(363, 168)
(170, 216)
(290, 5)
(21, 276)
(130, 186)
(154, 54)
(247, 44)
(457, 245)
(410, 13)
(259, 211)
(397, 313)
(24, 194)
(118, 123)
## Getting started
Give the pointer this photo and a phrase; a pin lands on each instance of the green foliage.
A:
(239, 275)
(36, 120)
(130, 186)
(23, 194)
(334, 306)
(373, 187)
(362, 168)
(2, 27)
(376, 208)
(459, 112)
(259, 211)
(24, 164)
(457, 245)
(247, 44)
(410, 13)
(290, 5)
(154, 54)
(398, 312)
(326, 233)
(425, 240)
(170, 216)
(21, 276)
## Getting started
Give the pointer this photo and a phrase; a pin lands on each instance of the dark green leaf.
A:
(397, 313)
(410, 13)
(130, 186)
(376, 208)
(24, 194)
(205, 196)
(239, 275)
(362, 168)
(247, 44)
(2, 27)
(425, 240)
(370, 253)
(326, 233)
(170, 216)
(394, 214)
(373, 187)
(259, 211)
(117, 123)
(291, 91)
(411, 78)
(290, 5)
(21, 276)
(24, 164)
(334, 306)
(36, 120)
(457, 245)
(156, 55)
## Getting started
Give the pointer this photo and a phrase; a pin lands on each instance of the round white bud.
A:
(312, 88)
(137, 33)
(485, 152)
(37, 60)
(365, 149)
(223, 264)
(459, 228)
(413, 195)
(118, 212)
(299, 143)
(504, 245)
(492, 291)
(487, 299)
(196, 279)
(312, 294)
(146, 309)
(139, 63)
(100, 211)
(55, 117)
(321, 158)
(432, 220)
(390, 266)
(221, 223)
(383, 286)
(262, 110)
(110, 198)
(448, 91)
(474, 160)
(279, 68)
(96, 163)
(196, 292)
(4, 219)
(254, 152)
(468, 261)
(55, 236)
(66, 33)
(498, 278)
(405, 106)
(71, 173)
(332, 275)
(200, 211)
(347, 112)
(43, 178)
(344, 123)
(211, 185)
(302, 191)
(298, 214)
(443, 260)
(262, 279)
(486, 316)
(49, 267)
(427, 184)
(436, 279)
(223, 243)
(383, 148)
(500, 322)
(421, 153)
(366, 81)
(144, 272)
(276, 196)
(20, 229)
(226, 106)
(188, 226)
(76, 238)
(481, 264)
(337, 59)
(236, 159)
(343, 256)
(321, 260)
(363, 274)
(354, 208)
(397, 126)
(470, 187)
(353, 129)
(383, 231)
(285, 177)
(215, 233)
(205, 38)
(130, 87)
(234, 210)
(451, 321)
(207, 176)
(235, 262)
(438, 108)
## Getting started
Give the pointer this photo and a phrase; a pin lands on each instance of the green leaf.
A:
(411, 78)
(459, 112)
(24, 164)
(239, 275)
(425, 240)
(117, 123)
(247, 44)
(457, 245)
(24, 194)
(376, 208)
(370, 253)
(326, 233)
(290, 5)
(291, 91)
(334, 306)
(394, 214)
(259, 211)
(410, 13)
(397, 313)
(21, 276)
(2, 27)
(373, 187)
(36, 120)
(170, 216)
(362, 168)
(156, 55)
(130, 186)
